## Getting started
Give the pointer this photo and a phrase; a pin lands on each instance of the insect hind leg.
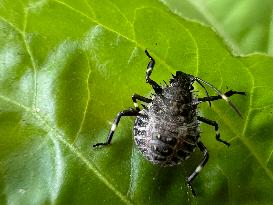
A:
(205, 159)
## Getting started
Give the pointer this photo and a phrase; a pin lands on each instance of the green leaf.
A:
(68, 67)
(246, 25)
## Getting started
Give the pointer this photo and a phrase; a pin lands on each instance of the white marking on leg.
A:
(149, 70)
(113, 127)
(217, 132)
(198, 169)
(135, 104)
(225, 97)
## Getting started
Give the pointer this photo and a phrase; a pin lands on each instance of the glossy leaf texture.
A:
(246, 25)
(67, 67)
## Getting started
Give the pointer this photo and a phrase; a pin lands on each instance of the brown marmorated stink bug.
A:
(166, 131)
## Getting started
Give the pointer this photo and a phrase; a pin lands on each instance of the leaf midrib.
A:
(58, 136)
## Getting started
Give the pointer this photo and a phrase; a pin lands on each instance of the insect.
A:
(166, 131)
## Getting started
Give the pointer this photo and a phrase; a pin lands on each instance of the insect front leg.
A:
(149, 71)
(218, 97)
(129, 112)
(136, 97)
(213, 123)
(205, 159)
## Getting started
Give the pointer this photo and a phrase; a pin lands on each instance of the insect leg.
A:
(205, 159)
(136, 97)
(129, 112)
(218, 97)
(213, 123)
(149, 71)
(224, 97)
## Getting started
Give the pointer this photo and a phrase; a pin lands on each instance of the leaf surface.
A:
(67, 68)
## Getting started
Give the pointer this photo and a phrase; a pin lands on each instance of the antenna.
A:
(205, 90)
(221, 94)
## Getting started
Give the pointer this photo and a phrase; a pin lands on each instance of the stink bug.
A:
(166, 131)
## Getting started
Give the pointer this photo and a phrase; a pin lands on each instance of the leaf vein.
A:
(247, 145)
(109, 29)
(93, 20)
(87, 101)
(219, 70)
(124, 16)
(90, 8)
(244, 139)
(250, 100)
(58, 136)
(34, 66)
(267, 161)
(22, 33)
(11, 25)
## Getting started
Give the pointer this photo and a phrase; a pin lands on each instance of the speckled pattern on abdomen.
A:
(164, 143)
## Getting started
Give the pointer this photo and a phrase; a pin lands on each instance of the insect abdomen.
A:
(162, 145)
